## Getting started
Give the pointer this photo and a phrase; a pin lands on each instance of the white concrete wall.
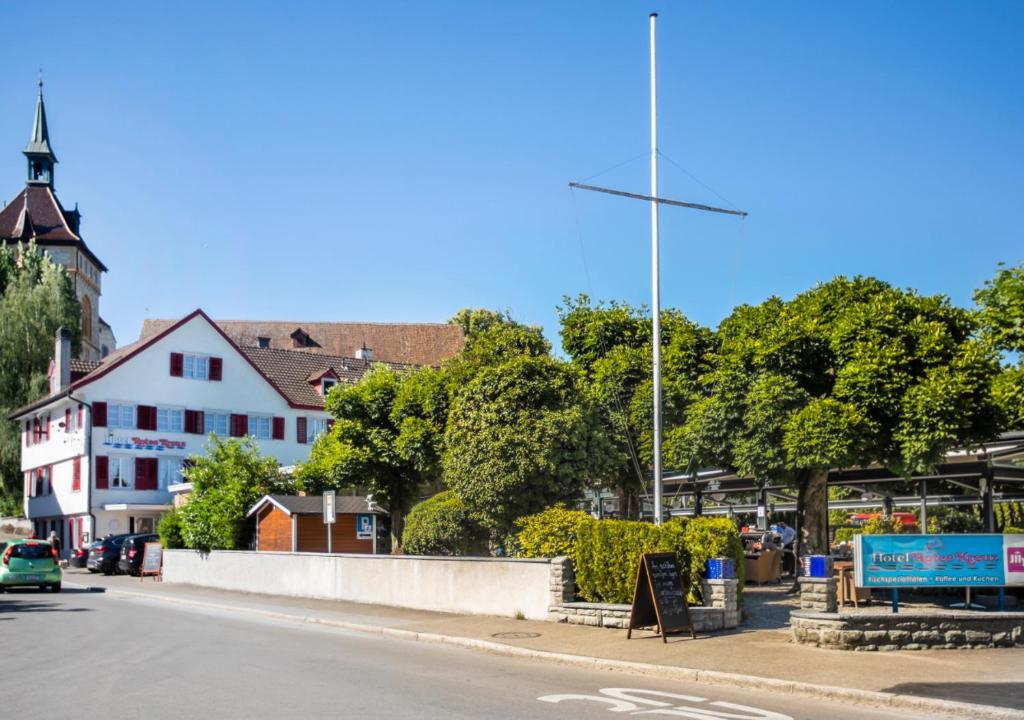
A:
(476, 586)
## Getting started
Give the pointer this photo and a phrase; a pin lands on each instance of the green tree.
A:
(36, 298)
(611, 344)
(520, 437)
(226, 482)
(386, 438)
(851, 372)
(1001, 310)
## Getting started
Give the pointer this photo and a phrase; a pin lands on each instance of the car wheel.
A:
(55, 588)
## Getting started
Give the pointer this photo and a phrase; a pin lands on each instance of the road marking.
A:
(632, 700)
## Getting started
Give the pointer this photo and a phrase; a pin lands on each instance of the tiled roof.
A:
(290, 370)
(414, 343)
(49, 220)
(314, 504)
(83, 367)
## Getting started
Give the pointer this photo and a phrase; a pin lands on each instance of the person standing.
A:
(54, 541)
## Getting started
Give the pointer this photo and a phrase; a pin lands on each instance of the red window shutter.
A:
(140, 473)
(177, 364)
(278, 433)
(216, 368)
(28, 483)
(76, 474)
(47, 428)
(28, 433)
(239, 425)
(67, 420)
(99, 414)
(300, 430)
(146, 417)
(102, 471)
(190, 421)
(200, 422)
(49, 480)
(80, 414)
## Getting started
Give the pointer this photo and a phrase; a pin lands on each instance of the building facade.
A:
(36, 214)
(103, 452)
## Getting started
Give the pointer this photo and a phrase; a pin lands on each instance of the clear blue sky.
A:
(398, 161)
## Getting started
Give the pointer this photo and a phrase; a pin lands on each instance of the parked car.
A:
(78, 557)
(30, 563)
(132, 551)
(104, 554)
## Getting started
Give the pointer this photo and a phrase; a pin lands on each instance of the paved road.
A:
(93, 655)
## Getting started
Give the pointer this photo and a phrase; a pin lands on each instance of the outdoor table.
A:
(848, 591)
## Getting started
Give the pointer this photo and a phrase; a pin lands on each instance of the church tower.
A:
(36, 214)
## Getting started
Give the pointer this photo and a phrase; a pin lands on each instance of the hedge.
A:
(606, 553)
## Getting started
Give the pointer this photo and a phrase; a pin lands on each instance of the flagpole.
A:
(655, 284)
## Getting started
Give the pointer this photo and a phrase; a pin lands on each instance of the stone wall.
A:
(720, 608)
(908, 631)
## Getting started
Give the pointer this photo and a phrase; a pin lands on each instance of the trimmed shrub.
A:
(169, 529)
(712, 537)
(442, 526)
(953, 520)
(608, 553)
(550, 533)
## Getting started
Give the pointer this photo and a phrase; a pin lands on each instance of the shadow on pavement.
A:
(19, 600)
(1009, 695)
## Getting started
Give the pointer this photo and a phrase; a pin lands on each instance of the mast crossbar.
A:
(661, 201)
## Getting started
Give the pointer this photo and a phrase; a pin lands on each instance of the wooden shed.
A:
(295, 523)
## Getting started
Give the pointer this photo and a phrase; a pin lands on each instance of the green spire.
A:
(40, 157)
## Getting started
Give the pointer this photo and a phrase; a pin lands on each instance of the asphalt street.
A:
(92, 655)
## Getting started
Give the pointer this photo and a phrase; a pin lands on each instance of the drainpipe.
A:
(88, 454)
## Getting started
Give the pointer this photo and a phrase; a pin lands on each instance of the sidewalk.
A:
(986, 677)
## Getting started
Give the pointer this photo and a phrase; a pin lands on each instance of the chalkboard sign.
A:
(659, 598)
(152, 561)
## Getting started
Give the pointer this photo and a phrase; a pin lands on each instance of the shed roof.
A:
(314, 504)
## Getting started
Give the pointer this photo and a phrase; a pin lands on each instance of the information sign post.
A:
(330, 515)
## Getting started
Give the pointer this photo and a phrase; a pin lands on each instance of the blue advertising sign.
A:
(895, 561)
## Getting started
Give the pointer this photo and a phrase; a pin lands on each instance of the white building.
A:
(103, 451)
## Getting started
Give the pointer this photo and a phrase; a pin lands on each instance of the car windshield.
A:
(31, 551)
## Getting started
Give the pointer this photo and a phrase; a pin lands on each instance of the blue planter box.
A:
(719, 569)
(819, 566)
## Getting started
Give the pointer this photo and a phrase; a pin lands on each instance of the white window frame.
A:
(314, 427)
(115, 420)
(190, 366)
(259, 422)
(209, 414)
(169, 469)
(169, 423)
(117, 466)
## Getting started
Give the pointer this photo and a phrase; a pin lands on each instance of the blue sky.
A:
(398, 161)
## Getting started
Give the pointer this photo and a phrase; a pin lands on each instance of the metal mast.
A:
(655, 282)
(655, 266)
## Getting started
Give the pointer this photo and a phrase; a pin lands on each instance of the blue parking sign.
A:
(364, 527)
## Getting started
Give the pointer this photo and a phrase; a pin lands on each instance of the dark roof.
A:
(413, 343)
(314, 504)
(290, 371)
(48, 218)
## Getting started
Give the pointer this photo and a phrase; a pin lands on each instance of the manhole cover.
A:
(515, 635)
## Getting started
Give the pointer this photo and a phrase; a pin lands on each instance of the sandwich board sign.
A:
(152, 561)
(659, 598)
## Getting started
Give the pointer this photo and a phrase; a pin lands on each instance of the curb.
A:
(878, 699)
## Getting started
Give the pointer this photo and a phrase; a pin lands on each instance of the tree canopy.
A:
(36, 298)
(850, 372)
(226, 482)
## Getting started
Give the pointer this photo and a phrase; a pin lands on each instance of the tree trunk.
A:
(629, 503)
(397, 526)
(812, 513)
